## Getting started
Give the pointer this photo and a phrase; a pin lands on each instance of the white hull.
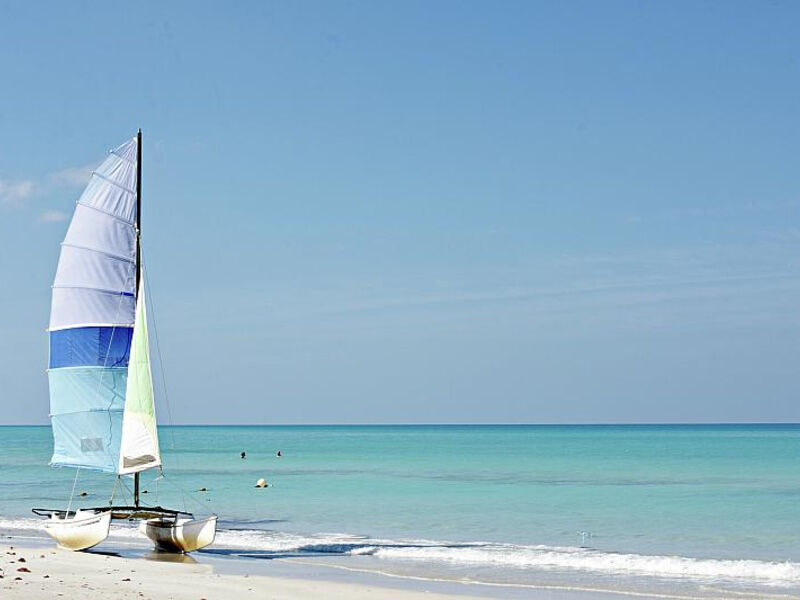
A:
(181, 535)
(81, 531)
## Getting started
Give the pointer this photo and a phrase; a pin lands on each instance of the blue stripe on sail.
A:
(90, 346)
(86, 407)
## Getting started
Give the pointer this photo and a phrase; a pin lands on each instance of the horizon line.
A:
(452, 424)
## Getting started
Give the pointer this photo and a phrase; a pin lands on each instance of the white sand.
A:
(63, 574)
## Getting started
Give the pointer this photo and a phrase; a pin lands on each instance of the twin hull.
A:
(88, 528)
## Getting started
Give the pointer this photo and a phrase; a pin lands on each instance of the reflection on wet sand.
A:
(172, 557)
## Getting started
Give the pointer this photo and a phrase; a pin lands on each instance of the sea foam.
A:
(517, 556)
(481, 554)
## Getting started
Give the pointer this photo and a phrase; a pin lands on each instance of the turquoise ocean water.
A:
(700, 507)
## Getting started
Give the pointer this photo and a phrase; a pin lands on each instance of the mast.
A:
(138, 259)
(138, 210)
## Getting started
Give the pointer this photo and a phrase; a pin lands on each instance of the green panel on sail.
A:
(139, 449)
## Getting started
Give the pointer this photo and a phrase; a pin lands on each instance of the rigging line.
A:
(102, 373)
(156, 480)
(126, 488)
(72, 494)
(149, 291)
(184, 495)
(105, 363)
(108, 352)
(113, 491)
(100, 383)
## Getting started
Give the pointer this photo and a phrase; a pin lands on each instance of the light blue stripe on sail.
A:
(86, 405)
(97, 451)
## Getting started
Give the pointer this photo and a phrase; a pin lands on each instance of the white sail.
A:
(95, 277)
(139, 447)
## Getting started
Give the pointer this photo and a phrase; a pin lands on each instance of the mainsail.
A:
(92, 321)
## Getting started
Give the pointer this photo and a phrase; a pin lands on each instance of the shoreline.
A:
(95, 575)
(122, 570)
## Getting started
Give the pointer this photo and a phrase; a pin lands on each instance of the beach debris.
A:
(261, 483)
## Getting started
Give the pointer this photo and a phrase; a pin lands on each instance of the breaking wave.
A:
(263, 543)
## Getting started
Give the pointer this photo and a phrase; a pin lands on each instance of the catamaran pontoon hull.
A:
(80, 531)
(180, 535)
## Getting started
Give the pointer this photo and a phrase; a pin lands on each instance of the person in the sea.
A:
(279, 454)
(244, 454)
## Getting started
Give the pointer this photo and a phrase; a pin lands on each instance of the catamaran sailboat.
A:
(102, 405)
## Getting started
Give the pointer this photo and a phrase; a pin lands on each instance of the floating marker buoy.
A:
(261, 483)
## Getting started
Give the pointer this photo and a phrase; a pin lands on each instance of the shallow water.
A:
(658, 506)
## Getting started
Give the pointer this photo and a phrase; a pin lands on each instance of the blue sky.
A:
(424, 211)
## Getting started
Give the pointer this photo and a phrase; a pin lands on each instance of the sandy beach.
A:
(34, 571)
(39, 572)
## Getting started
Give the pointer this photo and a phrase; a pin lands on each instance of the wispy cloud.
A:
(53, 216)
(72, 176)
(686, 289)
(15, 194)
